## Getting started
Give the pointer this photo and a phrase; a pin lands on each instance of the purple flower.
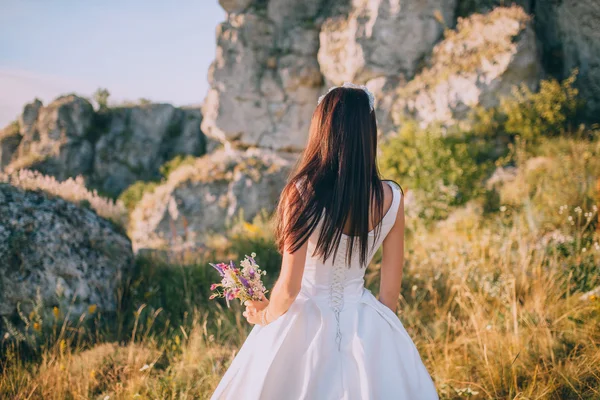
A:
(218, 268)
(244, 281)
(250, 292)
(251, 273)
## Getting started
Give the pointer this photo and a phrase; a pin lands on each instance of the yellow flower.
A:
(63, 346)
(32, 315)
(93, 374)
(251, 228)
(37, 326)
(62, 367)
(92, 308)
(56, 312)
(592, 297)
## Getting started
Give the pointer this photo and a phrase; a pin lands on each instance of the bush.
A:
(131, 196)
(443, 171)
(176, 162)
(549, 112)
(134, 193)
(554, 173)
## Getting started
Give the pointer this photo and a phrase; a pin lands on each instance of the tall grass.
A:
(493, 292)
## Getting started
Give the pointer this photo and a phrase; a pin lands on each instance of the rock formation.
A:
(60, 249)
(570, 37)
(207, 195)
(138, 140)
(111, 148)
(265, 78)
(370, 39)
(275, 58)
(475, 65)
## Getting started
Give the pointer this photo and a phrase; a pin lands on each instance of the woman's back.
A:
(322, 334)
(319, 273)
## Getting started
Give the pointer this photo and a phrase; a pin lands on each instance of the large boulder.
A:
(475, 65)
(65, 253)
(570, 36)
(111, 148)
(55, 139)
(369, 39)
(137, 140)
(10, 138)
(265, 79)
(207, 195)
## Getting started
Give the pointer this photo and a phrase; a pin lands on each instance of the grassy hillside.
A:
(492, 295)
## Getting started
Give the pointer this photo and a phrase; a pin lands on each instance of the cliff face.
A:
(111, 148)
(265, 78)
(274, 58)
(428, 60)
(570, 38)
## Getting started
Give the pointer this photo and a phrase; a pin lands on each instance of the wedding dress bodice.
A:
(335, 342)
(333, 280)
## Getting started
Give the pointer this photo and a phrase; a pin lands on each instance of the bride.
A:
(322, 334)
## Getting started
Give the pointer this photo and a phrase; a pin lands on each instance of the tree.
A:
(101, 97)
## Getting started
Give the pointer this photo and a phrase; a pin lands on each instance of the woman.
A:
(322, 335)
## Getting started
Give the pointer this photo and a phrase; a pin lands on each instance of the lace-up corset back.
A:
(327, 273)
(333, 280)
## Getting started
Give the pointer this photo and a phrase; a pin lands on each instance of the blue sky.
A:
(154, 49)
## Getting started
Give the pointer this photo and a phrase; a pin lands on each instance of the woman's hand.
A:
(254, 310)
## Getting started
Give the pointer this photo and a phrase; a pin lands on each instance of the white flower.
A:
(145, 367)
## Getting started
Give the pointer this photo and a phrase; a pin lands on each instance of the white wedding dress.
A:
(336, 341)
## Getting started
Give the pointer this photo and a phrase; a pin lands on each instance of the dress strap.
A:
(395, 206)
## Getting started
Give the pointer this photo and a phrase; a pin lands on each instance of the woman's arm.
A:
(393, 262)
(284, 291)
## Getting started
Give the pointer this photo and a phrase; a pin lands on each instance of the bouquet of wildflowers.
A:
(239, 283)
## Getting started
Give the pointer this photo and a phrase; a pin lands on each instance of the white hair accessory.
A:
(353, 86)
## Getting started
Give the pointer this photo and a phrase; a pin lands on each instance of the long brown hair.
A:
(336, 178)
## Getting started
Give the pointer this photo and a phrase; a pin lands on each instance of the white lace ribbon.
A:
(336, 299)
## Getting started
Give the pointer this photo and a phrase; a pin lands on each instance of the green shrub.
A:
(549, 112)
(443, 171)
(553, 173)
(176, 162)
(134, 193)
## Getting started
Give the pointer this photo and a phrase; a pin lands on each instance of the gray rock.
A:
(570, 36)
(265, 78)
(381, 38)
(110, 148)
(206, 196)
(55, 138)
(10, 138)
(139, 139)
(475, 65)
(60, 249)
